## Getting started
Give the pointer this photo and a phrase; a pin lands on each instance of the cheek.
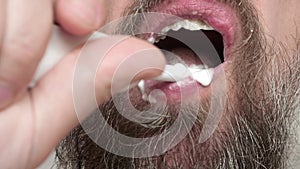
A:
(116, 9)
(279, 18)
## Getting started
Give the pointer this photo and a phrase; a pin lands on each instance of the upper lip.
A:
(218, 15)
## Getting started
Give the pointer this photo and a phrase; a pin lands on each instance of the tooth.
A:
(177, 26)
(195, 25)
(165, 30)
(161, 37)
(151, 40)
(198, 66)
(192, 25)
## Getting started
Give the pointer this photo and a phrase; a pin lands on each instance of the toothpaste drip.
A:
(203, 76)
(141, 86)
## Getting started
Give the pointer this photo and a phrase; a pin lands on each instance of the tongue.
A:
(182, 55)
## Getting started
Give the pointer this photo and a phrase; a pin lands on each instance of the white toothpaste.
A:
(178, 73)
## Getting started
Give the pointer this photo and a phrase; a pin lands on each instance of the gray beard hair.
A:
(255, 130)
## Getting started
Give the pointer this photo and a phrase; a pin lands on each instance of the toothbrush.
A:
(62, 43)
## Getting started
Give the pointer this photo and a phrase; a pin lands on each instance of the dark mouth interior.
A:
(217, 40)
(201, 39)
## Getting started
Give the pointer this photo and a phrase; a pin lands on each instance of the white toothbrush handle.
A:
(60, 44)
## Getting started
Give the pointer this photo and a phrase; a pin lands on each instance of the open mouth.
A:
(202, 40)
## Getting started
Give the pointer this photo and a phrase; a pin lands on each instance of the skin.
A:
(38, 127)
(274, 24)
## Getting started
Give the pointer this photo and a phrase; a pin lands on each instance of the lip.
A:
(218, 15)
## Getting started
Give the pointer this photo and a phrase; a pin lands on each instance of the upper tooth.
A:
(192, 25)
(198, 67)
(151, 39)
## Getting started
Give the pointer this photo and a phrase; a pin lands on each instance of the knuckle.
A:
(21, 52)
(18, 61)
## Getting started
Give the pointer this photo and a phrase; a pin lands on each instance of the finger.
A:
(27, 30)
(80, 17)
(4, 93)
(53, 95)
(2, 20)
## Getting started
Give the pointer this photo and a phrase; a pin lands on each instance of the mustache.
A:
(139, 6)
(244, 9)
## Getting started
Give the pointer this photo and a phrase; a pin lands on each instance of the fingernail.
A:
(6, 95)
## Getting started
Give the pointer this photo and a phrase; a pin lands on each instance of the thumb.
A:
(80, 17)
(84, 79)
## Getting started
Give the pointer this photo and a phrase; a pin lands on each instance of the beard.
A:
(255, 130)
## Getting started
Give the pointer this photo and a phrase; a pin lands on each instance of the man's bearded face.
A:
(262, 99)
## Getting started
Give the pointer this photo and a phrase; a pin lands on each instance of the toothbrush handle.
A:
(60, 44)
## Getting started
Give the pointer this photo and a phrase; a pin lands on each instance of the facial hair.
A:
(255, 129)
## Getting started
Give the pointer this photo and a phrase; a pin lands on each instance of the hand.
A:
(25, 27)
(32, 126)
(33, 122)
